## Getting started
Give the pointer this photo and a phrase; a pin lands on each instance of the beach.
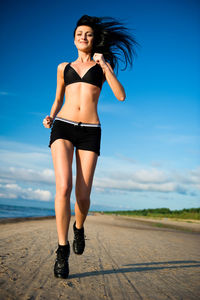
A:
(125, 258)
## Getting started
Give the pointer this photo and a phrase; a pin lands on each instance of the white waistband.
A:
(78, 123)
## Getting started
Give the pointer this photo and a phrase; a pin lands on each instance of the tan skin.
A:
(80, 105)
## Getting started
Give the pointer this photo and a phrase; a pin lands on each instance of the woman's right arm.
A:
(60, 91)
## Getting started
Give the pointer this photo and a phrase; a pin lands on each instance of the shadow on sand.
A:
(138, 268)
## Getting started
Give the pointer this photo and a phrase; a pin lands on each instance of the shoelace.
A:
(79, 236)
(62, 255)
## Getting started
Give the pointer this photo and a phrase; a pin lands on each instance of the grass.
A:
(186, 214)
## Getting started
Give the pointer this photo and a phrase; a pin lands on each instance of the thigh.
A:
(62, 155)
(89, 138)
(85, 167)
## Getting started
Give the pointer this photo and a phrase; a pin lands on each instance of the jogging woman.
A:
(75, 124)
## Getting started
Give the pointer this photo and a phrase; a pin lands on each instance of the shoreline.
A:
(33, 218)
(23, 219)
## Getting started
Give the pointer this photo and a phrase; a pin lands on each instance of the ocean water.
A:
(15, 211)
(22, 208)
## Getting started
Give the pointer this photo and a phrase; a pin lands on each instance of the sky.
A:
(150, 147)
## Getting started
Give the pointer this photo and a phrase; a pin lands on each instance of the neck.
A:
(84, 57)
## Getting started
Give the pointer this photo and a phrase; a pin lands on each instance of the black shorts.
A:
(85, 136)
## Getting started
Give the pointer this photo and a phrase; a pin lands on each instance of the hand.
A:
(47, 122)
(99, 59)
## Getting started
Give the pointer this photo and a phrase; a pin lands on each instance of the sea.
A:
(16, 211)
(26, 208)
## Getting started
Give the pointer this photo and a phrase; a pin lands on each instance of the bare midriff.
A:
(80, 104)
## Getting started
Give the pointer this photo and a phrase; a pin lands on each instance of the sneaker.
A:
(61, 267)
(79, 240)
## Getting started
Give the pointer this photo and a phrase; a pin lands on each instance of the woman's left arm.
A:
(112, 80)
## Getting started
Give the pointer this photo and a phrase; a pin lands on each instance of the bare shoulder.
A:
(61, 66)
(60, 69)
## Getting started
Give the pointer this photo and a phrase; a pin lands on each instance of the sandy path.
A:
(124, 259)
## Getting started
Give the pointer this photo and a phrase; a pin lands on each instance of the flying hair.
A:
(112, 39)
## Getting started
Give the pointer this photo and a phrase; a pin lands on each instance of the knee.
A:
(64, 189)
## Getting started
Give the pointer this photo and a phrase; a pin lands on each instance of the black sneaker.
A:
(79, 240)
(61, 267)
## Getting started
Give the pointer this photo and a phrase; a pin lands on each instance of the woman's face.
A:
(84, 36)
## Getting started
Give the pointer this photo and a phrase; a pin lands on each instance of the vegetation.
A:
(190, 213)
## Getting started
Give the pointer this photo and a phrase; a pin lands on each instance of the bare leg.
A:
(85, 167)
(62, 154)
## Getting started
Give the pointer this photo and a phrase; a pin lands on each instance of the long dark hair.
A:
(111, 39)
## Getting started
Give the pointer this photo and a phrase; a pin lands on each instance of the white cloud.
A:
(38, 194)
(28, 175)
(123, 176)
(13, 191)
(131, 185)
(26, 159)
(32, 166)
(13, 186)
(7, 195)
(153, 175)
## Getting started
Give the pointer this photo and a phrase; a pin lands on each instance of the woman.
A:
(76, 124)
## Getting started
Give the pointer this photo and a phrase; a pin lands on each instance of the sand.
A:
(124, 259)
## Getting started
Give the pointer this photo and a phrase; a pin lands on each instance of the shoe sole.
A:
(61, 276)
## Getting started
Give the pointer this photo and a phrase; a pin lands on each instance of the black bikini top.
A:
(93, 76)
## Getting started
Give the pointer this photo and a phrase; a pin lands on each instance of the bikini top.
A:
(94, 75)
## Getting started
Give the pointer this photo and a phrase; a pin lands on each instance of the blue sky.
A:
(150, 149)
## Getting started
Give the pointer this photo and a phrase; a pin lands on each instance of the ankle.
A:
(78, 227)
(62, 245)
